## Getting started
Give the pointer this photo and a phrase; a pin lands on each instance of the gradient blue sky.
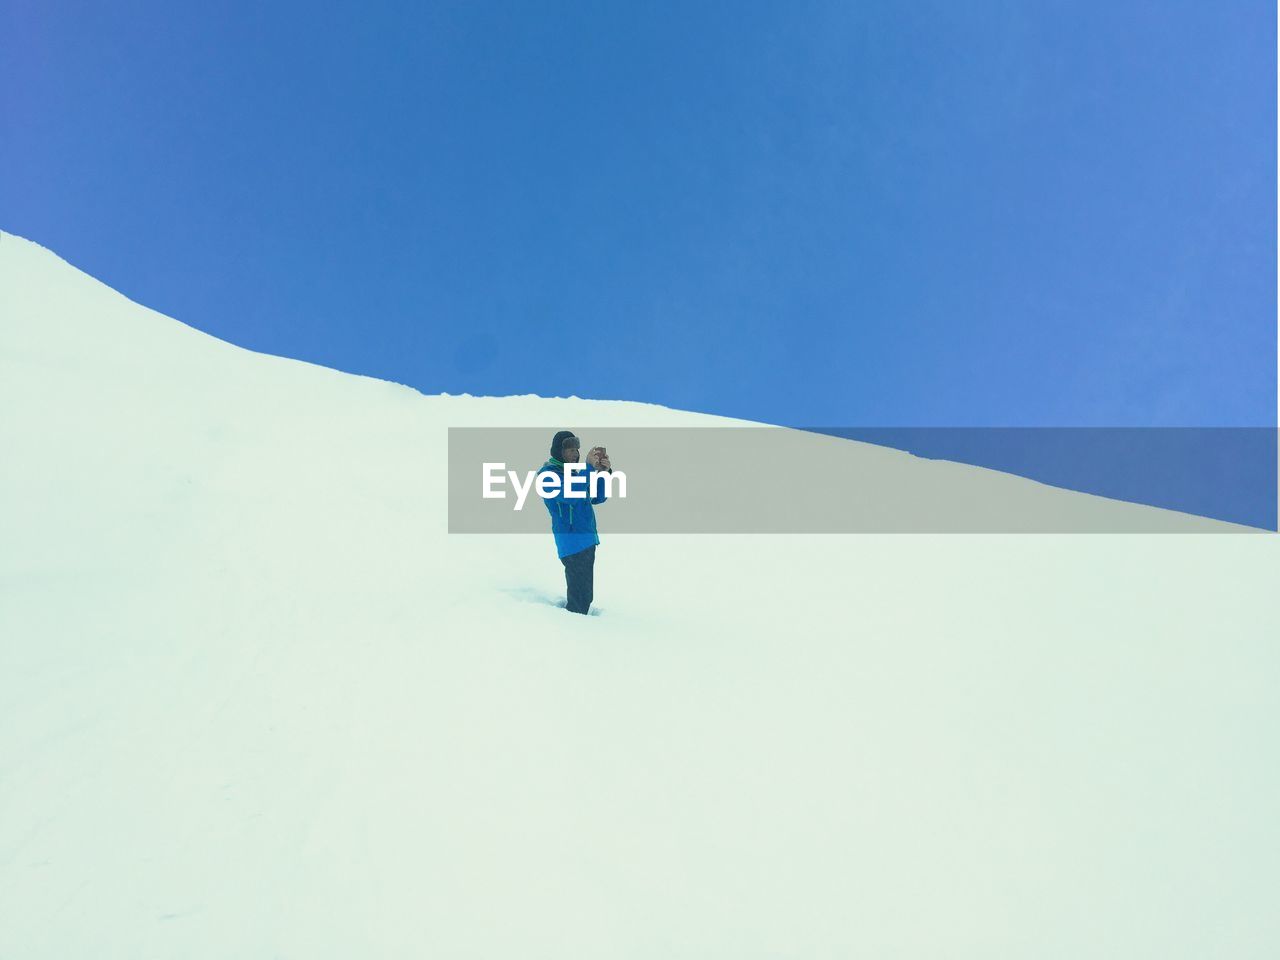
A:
(848, 213)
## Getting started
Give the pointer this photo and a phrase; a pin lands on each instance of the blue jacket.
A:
(573, 519)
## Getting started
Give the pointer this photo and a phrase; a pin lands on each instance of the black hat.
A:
(562, 438)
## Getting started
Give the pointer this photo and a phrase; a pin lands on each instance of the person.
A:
(573, 519)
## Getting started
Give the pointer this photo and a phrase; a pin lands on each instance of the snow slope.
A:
(256, 702)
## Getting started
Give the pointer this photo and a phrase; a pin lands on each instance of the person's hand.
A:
(598, 459)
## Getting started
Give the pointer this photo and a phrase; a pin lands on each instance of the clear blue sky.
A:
(844, 213)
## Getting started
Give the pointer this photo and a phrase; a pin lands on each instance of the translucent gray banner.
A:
(888, 480)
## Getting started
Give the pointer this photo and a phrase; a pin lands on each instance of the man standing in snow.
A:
(573, 518)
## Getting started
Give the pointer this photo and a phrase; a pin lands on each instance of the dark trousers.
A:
(579, 569)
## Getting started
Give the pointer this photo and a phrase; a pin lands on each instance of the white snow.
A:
(256, 702)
